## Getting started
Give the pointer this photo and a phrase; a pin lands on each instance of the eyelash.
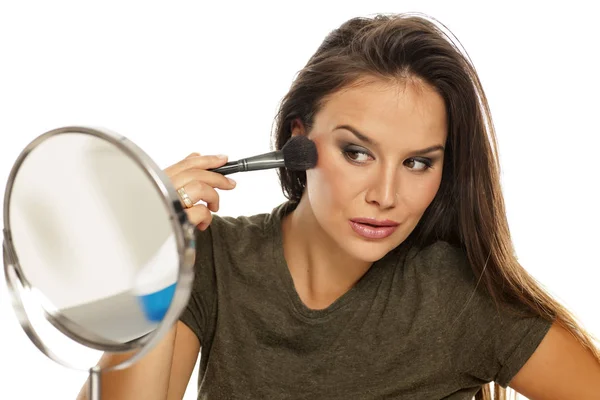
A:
(350, 149)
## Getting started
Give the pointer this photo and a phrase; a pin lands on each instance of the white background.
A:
(177, 77)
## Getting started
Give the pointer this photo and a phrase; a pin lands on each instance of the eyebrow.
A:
(364, 138)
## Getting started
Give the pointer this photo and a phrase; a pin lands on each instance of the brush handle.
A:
(270, 160)
(230, 168)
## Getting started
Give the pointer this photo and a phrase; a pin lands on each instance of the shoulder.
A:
(240, 233)
(241, 226)
(438, 251)
(444, 272)
(440, 260)
(237, 227)
(464, 293)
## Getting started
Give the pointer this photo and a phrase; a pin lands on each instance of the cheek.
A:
(333, 180)
(424, 192)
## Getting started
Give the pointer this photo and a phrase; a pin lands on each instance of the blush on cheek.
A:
(334, 184)
(422, 193)
(348, 181)
(325, 181)
(429, 190)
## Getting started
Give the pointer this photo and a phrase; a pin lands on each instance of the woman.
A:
(390, 271)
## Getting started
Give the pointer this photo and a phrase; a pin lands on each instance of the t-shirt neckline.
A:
(288, 282)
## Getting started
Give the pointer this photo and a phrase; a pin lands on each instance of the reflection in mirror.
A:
(93, 236)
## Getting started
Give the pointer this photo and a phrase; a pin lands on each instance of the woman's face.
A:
(381, 152)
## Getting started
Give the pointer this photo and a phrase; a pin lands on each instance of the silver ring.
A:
(187, 202)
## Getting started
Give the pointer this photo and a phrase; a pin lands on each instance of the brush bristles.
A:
(299, 153)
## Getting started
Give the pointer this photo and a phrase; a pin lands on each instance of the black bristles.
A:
(299, 153)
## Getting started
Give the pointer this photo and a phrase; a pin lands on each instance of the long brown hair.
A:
(468, 210)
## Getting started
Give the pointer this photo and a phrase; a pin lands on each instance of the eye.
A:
(418, 164)
(356, 155)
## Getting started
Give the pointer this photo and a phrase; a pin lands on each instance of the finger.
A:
(204, 162)
(199, 216)
(175, 168)
(200, 191)
(197, 162)
(213, 179)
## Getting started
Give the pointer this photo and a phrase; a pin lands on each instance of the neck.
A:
(321, 270)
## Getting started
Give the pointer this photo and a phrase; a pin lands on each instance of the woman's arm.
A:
(162, 374)
(560, 368)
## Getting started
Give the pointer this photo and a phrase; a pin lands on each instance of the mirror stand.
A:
(94, 384)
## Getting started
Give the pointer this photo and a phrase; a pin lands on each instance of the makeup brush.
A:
(298, 154)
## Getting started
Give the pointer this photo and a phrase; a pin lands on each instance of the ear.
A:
(297, 128)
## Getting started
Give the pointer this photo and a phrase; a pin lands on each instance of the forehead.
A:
(407, 110)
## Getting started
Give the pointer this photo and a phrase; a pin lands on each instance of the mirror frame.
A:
(21, 290)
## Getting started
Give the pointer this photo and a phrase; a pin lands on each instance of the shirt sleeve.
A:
(200, 307)
(487, 341)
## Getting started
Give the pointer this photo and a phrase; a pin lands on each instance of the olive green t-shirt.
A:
(413, 327)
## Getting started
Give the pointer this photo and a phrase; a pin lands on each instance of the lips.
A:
(369, 228)
(374, 222)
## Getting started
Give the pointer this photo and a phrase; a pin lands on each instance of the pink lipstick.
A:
(371, 228)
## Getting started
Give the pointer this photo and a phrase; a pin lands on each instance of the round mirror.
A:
(97, 237)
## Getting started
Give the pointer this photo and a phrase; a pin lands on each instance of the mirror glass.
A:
(93, 238)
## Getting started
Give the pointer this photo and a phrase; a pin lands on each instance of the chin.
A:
(368, 251)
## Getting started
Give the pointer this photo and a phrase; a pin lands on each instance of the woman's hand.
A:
(193, 176)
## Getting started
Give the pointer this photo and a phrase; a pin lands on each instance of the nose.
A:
(384, 188)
